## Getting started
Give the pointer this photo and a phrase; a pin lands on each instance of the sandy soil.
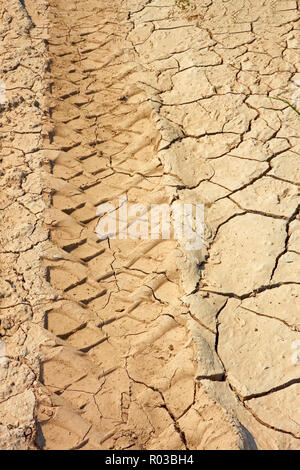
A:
(142, 344)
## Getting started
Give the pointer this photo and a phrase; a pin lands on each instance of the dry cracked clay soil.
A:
(144, 343)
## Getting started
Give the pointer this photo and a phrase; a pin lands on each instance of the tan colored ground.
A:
(123, 344)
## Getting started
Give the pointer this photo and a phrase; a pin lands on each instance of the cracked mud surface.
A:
(140, 344)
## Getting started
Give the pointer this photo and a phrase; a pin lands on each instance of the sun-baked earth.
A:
(142, 344)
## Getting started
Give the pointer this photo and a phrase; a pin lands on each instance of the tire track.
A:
(120, 370)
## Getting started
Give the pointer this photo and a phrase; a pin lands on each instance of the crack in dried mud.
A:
(142, 344)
